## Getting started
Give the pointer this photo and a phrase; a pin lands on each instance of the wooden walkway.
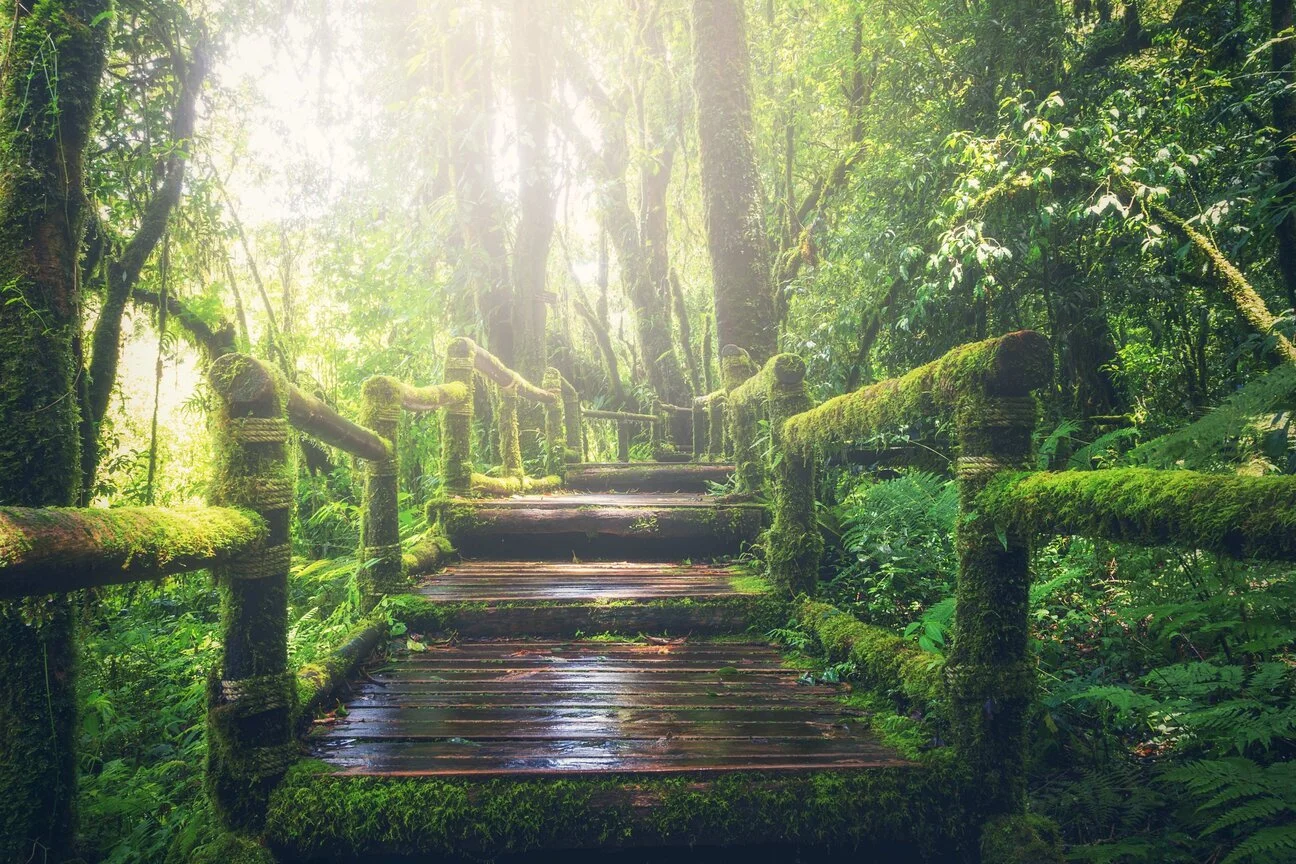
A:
(511, 689)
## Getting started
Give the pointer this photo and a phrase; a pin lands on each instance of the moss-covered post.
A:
(623, 441)
(510, 441)
(380, 550)
(249, 734)
(717, 445)
(990, 674)
(736, 367)
(457, 421)
(572, 422)
(699, 431)
(555, 427)
(793, 544)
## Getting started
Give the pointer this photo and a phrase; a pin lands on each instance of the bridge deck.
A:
(502, 708)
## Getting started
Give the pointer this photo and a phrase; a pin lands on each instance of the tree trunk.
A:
(124, 272)
(56, 51)
(740, 267)
(1284, 121)
(480, 212)
(532, 91)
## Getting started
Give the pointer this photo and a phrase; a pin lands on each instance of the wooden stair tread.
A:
(502, 581)
(527, 707)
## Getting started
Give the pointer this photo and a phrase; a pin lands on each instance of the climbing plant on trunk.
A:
(48, 96)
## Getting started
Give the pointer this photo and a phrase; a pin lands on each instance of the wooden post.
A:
(249, 734)
(506, 423)
(736, 367)
(699, 431)
(572, 421)
(623, 441)
(794, 545)
(380, 550)
(717, 445)
(457, 421)
(990, 673)
(555, 427)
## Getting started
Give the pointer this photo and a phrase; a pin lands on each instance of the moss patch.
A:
(315, 814)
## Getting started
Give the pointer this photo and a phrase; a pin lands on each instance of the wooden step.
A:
(692, 708)
(646, 476)
(646, 527)
(554, 599)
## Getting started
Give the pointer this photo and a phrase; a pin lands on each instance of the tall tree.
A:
(639, 240)
(124, 269)
(735, 225)
(1282, 52)
(48, 92)
(470, 88)
(532, 91)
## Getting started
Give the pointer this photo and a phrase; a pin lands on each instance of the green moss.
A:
(883, 660)
(1238, 516)
(499, 487)
(1008, 365)
(427, 552)
(750, 584)
(1023, 838)
(233, 849)
(314, 814)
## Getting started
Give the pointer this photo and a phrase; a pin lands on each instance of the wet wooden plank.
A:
(405, 726)
(712, 616)
(414, 758)
(494, 708)
(433, 696)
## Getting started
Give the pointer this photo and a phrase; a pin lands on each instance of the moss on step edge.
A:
(763, 611)
(314, 814)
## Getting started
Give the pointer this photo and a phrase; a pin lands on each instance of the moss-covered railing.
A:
(981, 393)
(255, 702)
(625, 422)
(466, 362)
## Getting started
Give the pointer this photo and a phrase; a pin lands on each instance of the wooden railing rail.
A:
(56, 550)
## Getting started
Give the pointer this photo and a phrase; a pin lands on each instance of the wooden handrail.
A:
(318, 420)
(620, 416)
(60, 549)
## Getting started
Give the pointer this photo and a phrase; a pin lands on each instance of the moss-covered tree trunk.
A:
(53, 64)
(736, 240)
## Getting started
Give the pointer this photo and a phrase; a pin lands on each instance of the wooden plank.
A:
(632, 716)
(760, 688)
(414, 758)
(612, 675)
(378, 697)
(712, 616)
(407, 727)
